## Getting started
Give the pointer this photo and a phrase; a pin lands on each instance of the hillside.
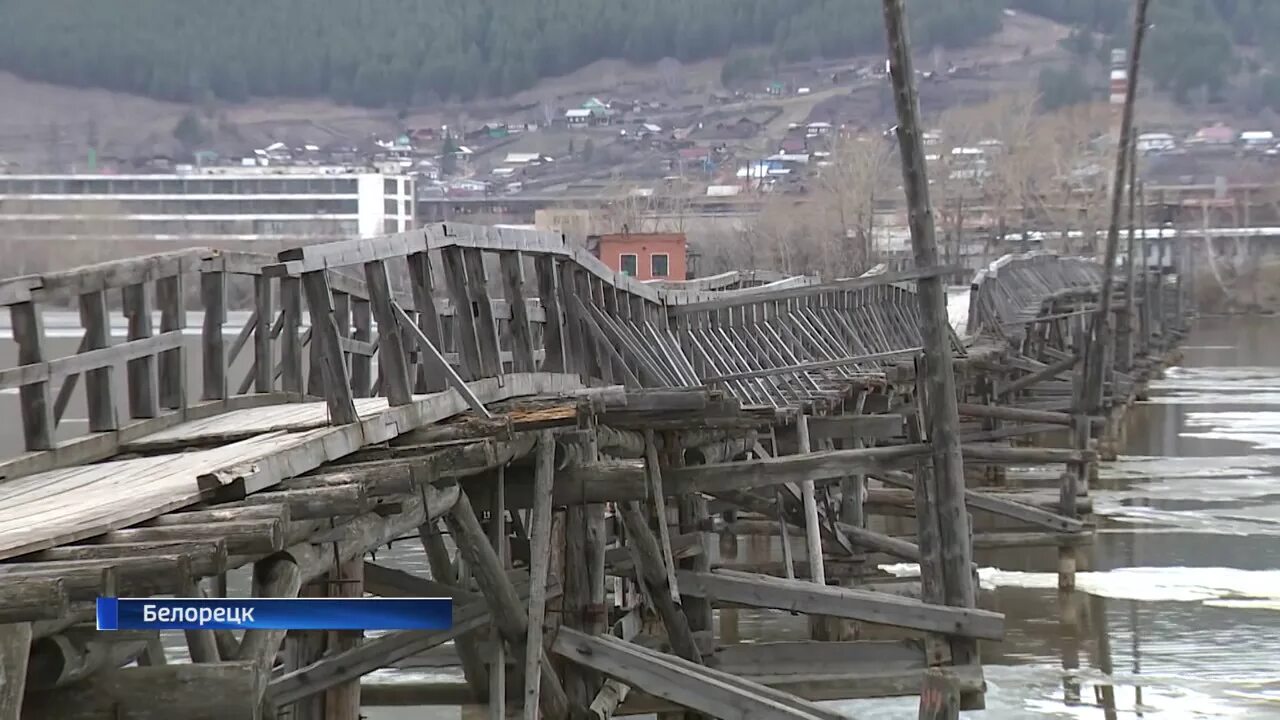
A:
(399, 52)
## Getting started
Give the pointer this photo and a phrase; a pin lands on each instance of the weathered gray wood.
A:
(361, 365)
(657, 497)
(34, 399)
(422, 284)
(337, 384)
(509, 614)
(443, 368)
(553, 328)
(143, 400)
(33, 599)
(812, 533)
(342, 701)
(156, 693)
(942, 420)
(464, 318)
(213, 369)
(172, 368)
(848, 427)
(263, 356)
(84, 580)
(654, 575)
(442, 570)
(99, 390)
(290, 338)
(939, 696)
(310, 503)
(768, 592)
(275, 577)
(539, 568)
(389, 582)
(512, 266)
(14, 652)
(699, 688)
(393, 356)
(242, 537)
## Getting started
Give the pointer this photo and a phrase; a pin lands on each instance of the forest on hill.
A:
(403, 52)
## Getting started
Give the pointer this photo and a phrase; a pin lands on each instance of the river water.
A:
(1177, 614)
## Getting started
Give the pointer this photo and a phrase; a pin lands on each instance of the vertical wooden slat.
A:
(99, 391)
(512, 264)
(422, 285)
(143, 401)
(361, 365)
(482, 312)
(173, 363)
(342, 701)
(35, 401)
(324, 330)
(464, 325)
(213, 361)
(393, 358)
(15, 653)
(290, 340)
(553, 327)
(263, 358)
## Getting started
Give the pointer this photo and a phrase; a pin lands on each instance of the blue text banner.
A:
(275, 613)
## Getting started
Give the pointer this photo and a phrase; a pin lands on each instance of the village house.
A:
(644, 256)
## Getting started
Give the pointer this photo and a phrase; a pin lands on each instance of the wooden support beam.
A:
(764, 591)
(275, 577)
(509, 614)
(156, 693)
(848, 427)
(653, 573)
(445, 369)
(338, 386)
(393, 356)
(35, 400)
(33, 599)
(539, 568)
(15, 649)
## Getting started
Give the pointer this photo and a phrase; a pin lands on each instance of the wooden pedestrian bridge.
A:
(563, 442)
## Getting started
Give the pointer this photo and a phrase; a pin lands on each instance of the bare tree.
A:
(848, 189)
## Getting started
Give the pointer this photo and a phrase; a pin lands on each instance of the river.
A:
(1177, 614)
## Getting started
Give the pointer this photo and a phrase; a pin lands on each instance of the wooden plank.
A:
(157, 692)
(768, 592)
(347, 252)
(699, 688)
(757, 295)
(436, 360)
(422, 285)
(654, 573)
(361, 366)
(464, 323)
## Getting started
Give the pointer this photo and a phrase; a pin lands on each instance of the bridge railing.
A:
(380, 318)
(1013, 288)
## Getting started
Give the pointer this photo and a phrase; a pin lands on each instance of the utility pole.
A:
(1101, 327)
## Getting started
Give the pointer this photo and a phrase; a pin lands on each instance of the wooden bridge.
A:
(562, 441)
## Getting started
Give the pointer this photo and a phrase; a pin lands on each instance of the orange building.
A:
(644, 256)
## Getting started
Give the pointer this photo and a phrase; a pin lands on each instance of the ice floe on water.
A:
(1217, 385)
(1254, 589)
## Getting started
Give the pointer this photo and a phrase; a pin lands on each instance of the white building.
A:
(234, 204)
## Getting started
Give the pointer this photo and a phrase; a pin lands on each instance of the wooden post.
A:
(946, 486)
(464, 322)
(213, 298)
(324, 331)
(15, 649)
(482, 308)
(264, 364)
(508, 612)
(361, 365)
(498, 658)
(342, 702)
(393, 356)
(98, 388)
(1101, 326)
(539, 567)
(276, 576)
(143, 401)
(553, 328)
(939, 699)
(512, 265)
(422, 286)
(290, 341)
(473, 668)
(665, 596)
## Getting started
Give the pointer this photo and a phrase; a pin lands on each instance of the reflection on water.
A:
(1178, 609)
